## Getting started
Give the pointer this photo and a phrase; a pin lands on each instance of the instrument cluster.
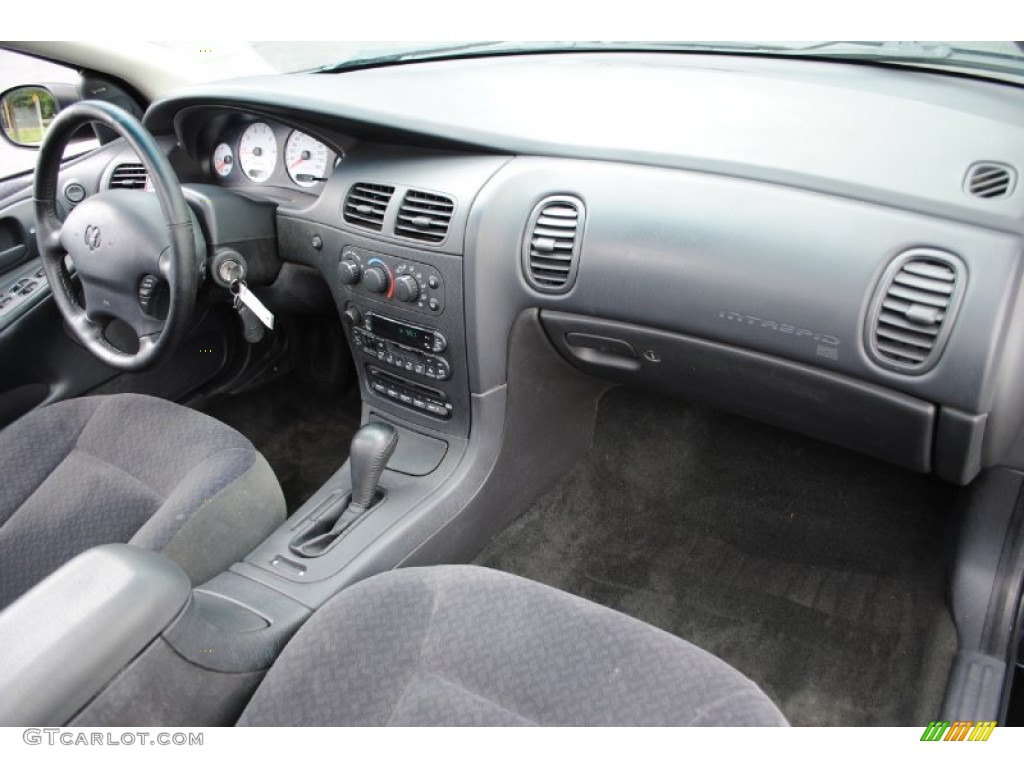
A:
(268, 153)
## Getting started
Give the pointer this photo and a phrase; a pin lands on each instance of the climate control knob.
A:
(349, 272)
(375, 279)
(406, 288)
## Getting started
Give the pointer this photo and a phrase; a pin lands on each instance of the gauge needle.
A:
(300, 161)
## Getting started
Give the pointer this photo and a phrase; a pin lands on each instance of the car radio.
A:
(410, 348)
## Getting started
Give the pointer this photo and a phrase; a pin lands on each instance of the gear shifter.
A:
(372, 446)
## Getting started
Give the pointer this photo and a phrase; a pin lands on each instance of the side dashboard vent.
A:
(424, 216)
(366, 205)
(990, 180)
(128, 176)
(914, 310)
(551, 248)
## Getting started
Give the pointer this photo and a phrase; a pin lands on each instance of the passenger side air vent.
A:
(366, 205)
(424, 216)
(128, 176)
(914, 309)
(990, 180)
(551, 248)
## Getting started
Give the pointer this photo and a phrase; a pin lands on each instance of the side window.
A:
(30, 116)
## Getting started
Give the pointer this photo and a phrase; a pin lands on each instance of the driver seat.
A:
(130, 469)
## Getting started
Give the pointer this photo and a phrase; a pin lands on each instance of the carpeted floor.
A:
(817, 572)
(302, 429)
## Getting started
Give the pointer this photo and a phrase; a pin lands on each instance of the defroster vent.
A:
(914, 309)
(551, 249)
(128, 176)
(424, 216)
(366, 205)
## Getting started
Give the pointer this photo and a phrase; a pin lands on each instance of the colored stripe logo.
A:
(958, 730)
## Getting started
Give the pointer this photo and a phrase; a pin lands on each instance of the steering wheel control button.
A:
(74, 192)
(148, 288)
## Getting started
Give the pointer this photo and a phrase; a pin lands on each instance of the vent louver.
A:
(128, 176)
(990, 180)
(366, 205)
(914, 310)
(424, 216)
(552, 246)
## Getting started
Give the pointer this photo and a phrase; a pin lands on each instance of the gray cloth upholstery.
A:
(462, 645)
(128, 468)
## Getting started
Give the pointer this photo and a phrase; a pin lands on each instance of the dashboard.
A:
(831, 247)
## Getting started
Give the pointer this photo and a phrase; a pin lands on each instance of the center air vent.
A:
(990, 180)
(914, 310)
(551, 248)
(424, 216)
(366, 205)
(128, 176)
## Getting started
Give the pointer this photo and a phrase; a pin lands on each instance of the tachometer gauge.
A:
(223, 160)
(305, 158)
(257, 151)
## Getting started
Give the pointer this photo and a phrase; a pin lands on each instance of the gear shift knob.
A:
(372, 446)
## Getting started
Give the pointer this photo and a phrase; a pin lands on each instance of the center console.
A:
(405, 362)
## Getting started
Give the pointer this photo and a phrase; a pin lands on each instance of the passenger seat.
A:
(463, 645)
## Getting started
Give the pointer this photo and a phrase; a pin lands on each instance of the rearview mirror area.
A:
(26, 112)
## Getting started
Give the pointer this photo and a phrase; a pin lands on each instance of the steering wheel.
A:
(128, 247)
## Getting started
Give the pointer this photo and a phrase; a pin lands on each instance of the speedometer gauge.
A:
(305, 158)
(223, 160)
(257, 151)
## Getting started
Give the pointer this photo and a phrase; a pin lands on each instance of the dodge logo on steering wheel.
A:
(92, 237)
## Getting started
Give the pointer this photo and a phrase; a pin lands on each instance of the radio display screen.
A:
(402, 334)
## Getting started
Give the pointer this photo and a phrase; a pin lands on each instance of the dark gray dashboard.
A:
(728, 208)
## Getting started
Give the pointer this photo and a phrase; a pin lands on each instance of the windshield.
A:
(994, 58)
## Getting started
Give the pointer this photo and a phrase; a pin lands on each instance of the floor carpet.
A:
(302, 429)
(817, 572)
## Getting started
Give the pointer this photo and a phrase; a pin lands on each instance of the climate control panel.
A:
(382, 277)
